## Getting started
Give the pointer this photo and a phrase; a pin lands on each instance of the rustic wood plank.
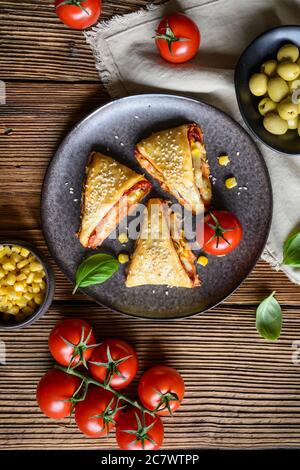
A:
(239, 393)
(35, 45)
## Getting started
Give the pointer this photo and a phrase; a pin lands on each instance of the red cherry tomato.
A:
(222, 233)
(115, 362)
(148, 431)
(78, 14)
(53, 391)
(177, 38)
(98, 413)
(71, 342)
(161, 389)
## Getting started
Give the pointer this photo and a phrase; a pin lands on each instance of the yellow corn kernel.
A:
(16, 257)
(38, 299)
(13, 295)
(203, 260)
(15, 249)
(22, 264)
(35, 266)
(27, 311)
(9, 265)
(24, 252)
(4, 290)
(19, 287)
(29, 278)
(230, 182)
(10, 279)
(5, 251)
(43, 285)
(35, 288)
(21, 302)
(13, 309)
(123, 238)
(223, 160)
(28, 295)
(123, 258)
(26, 271)
(6, 316)
(37, 278)
(2, 273)
(21, 277)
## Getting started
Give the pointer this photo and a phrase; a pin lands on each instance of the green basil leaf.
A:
(291, 251)
(269, 318)
(95, 270)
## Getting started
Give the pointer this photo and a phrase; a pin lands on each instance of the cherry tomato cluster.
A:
(95, 395)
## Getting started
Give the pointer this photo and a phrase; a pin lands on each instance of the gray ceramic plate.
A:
(117, 126)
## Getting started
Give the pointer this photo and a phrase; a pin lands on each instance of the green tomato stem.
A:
(89, 381)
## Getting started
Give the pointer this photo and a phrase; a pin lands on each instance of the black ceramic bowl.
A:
(50, 281)
(264, 47)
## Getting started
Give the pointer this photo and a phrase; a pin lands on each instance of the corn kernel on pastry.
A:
(111, 191)
(177, 159)
(162, 255)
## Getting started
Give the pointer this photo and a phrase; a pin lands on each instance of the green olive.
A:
(287, 110)
(258, 84)
(277, 89)
(269, 68)
(293, 123)
(294, 85)
(266, 105)
(274, 124)
(288, 52)
(288, 71)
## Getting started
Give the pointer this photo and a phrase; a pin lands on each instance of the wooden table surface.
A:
(241, 391)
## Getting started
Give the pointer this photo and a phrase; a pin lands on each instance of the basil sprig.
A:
(291, 251)
(95, 269)
(269, 318)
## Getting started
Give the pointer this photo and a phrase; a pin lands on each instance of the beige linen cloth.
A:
(128, 63)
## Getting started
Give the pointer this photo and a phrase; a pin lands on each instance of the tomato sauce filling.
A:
(129, 199)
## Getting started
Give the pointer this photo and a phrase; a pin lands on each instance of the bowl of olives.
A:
(267, 84)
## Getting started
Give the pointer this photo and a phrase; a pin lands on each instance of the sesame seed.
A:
(238, 153)
(75, 200)
(116, 137)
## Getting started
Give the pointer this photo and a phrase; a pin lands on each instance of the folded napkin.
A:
(128, 63)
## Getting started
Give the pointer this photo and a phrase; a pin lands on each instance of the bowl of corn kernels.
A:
(26, 284)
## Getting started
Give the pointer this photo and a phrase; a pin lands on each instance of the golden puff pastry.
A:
(161, 256)
(111, 191)
(177, 159)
